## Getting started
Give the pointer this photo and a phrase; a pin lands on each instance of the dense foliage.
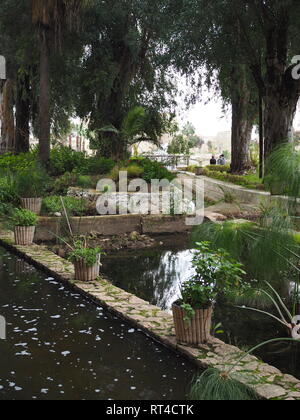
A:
(216, 272)
(74, 206)
(22, 217)
(89, 255)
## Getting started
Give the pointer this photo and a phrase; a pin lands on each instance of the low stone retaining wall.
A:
(50, 227)
(268, 382)
(213, 189)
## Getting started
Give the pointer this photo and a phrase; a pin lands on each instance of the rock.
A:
(57, 214)
(294, 394)
(214, 217)
(270, 391)
(134, 236)
(291, 379)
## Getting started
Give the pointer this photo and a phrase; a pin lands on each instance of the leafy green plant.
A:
(134, 171)
(88, 255)
(63, 159)
(98, 166)
(31, 183)
(228, 196)
(16, 163)
(155, 170)
(22, 217)
(8, 190)
(250, 181)
(218, 168)
(266, 248)
(85, 181)
(216, 272)
(74, 206)
(64, 182)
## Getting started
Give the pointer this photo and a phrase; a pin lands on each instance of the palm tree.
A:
(50, 16)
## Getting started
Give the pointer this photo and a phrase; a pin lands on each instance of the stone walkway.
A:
(267, 381)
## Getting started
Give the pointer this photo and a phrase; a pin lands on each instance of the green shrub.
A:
(16, 163)
(85, 181)
(22, 217)
(32, 182)
(155, 170)
(248, 181)
(218, 168)
(133, 171)
(63, 183)
(192, 168)
(63, 159)
(8, 192)
(74, 206)
(114, 173)
(88, 255)
(98, 166)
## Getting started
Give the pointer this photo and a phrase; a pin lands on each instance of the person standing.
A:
(221, 161)
(213, 161)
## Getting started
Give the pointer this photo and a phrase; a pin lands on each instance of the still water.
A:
(156, 275)
(60, 346)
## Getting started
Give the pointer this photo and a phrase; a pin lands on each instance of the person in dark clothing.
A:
(213, 161)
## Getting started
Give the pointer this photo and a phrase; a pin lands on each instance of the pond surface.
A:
(60, 346)
(156, 275)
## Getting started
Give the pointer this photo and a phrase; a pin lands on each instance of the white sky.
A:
(206, 115)
(208, 119)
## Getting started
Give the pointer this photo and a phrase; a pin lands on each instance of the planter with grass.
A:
(31, 185)
(24, 222)
(86, 262)
(215, 273)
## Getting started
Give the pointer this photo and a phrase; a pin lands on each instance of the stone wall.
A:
(51, 227)
(214, 190)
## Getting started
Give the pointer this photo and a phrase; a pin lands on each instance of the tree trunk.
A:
(243, 116)
(7, 141)
(242, 125)
(23, 115)
(44, 99)
(280, 109)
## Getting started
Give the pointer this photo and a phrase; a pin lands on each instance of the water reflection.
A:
(60, 346)
(156, 277)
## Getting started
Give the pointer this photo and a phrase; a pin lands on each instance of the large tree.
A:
(50, 18)
(17, 44)
(123, 68)
(271, 33)
(207, 46)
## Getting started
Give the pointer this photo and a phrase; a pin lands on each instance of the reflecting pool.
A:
(60, 346)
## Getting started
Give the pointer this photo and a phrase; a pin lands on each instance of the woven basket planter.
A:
(86, 273)
(24, 235)
(195, 331)
(32, 204)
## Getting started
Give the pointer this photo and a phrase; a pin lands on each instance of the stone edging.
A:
(268, 382)
(213, 189)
